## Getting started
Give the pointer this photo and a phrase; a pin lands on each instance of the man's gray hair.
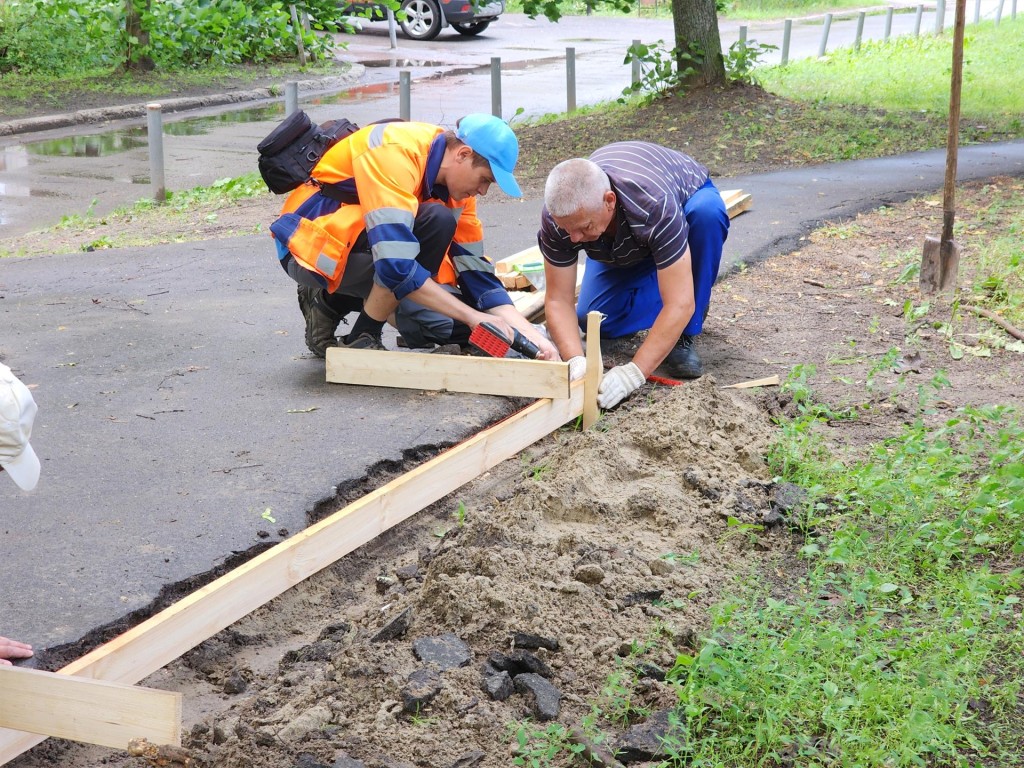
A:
(575, 185)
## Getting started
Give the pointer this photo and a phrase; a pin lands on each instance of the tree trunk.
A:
(696, 30)
(134, 29)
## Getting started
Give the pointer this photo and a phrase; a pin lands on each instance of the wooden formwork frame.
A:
(164, 637)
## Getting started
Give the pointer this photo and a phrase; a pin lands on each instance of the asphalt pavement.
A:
(182, 421)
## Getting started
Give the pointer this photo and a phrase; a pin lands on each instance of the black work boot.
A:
(321, 322)
(683, 362)
(364, 340)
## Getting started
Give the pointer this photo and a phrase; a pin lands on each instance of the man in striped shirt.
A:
(653, 226)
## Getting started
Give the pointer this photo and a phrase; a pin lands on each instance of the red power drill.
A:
(488, 339)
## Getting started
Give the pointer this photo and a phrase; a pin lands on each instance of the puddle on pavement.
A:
(95, 145)
(402, 63)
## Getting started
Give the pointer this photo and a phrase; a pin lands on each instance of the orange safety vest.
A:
(382, 173)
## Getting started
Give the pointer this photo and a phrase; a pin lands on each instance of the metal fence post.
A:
(291, 97)
(860, 31)
(404, 99)
(888, 24)
(787, 33)
(392, 31)
(636, 66)
(917, 20)
(940, 16)
(570, 79)
(824, 35)
(155, 137)
(496, 86)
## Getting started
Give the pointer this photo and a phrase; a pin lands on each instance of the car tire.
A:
(422, 19)
(470, 28)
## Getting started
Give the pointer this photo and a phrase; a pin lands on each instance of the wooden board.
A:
(736, 201)
(768, 381)
(595, 369)
(454, 373)
(164, 637)
(91, 711)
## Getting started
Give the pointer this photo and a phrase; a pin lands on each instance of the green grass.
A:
(991, 89)
(753, 10)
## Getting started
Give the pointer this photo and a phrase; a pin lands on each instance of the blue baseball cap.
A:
(491, 138)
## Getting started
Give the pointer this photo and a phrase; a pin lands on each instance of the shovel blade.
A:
(940, 265)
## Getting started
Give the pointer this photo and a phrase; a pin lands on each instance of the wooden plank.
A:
(453, 373)
(595, 369)
(164, 637)
(91, 711)
(736, 201)
(768, 381)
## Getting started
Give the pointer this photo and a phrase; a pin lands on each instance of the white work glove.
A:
(577, 367)
(618, 384)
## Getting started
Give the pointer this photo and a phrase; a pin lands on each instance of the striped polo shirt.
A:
(651, 184)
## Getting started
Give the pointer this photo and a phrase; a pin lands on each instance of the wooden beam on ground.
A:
(595, 369)
(453, 373)
(91, 711)
(164, 637)
(768, 381)
(736, 201)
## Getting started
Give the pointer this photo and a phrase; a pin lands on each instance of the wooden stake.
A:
(164, 637)
(91, 711)
(769, 381)
(453, 373)
(595, 369)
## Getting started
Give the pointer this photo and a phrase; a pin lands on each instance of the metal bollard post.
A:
(155, 137)
(570, 79)
(860, 31)
(291, 97)
(635, 77)
(1013, 10)
(496, 86)
(977, 11)
(392, 30)
(404, 98)
(888, 24)
(743, 36)
(824, 35)
(999, 12)
(787, 33)
(940, 16)
(917, 20)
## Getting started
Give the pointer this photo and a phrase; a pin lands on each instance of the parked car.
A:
(424, 19)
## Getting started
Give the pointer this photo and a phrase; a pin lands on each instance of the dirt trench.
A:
(514, 598)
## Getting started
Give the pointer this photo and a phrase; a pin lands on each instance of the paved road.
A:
(177, 405)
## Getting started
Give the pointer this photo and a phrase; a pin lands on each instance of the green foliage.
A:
(845, 76)
(903, 619)
(538, 747)
(52, 36)
(743, 57)
(61, 36)
(659, 71)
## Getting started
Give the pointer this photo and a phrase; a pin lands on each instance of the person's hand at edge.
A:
(12, 649)
(577, 367)
(618, 384)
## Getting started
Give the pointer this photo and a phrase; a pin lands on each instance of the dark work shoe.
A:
(683, 362)
(362, 341)
(321, 323)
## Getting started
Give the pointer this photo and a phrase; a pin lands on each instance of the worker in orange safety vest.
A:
(388, 228)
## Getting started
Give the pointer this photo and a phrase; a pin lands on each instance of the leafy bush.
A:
(53, 36)
(58, 36)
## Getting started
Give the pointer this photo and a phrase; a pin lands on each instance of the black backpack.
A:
(291, 151)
